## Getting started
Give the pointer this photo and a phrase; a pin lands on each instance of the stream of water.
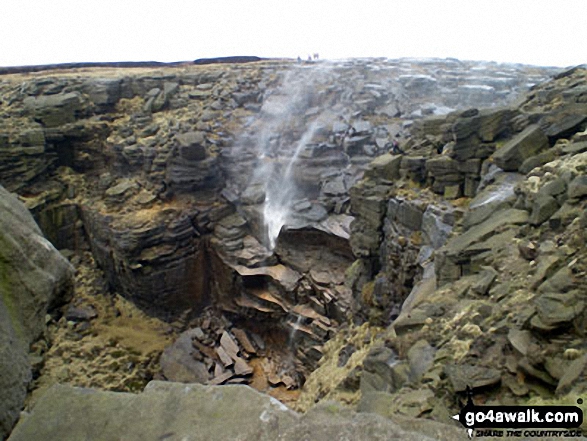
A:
(280, 191)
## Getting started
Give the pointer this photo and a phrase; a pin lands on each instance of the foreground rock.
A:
(177, 412)
(34, 278)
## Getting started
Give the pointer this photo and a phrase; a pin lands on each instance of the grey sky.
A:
(543, 32)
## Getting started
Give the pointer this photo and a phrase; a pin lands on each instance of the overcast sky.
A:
(541, 32)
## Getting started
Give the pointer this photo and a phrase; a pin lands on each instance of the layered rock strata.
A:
(160, 174)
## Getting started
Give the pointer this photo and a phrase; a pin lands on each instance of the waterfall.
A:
(266, 158)
(294, 329)
(280, 191)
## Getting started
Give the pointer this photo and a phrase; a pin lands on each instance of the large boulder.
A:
(103, 92)
(523, 146)
(34, 277)
(55, 110)
(192, 146)
(178, 411)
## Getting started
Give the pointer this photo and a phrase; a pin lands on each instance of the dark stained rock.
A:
(24, 158)
(564, 122)
(186, 175)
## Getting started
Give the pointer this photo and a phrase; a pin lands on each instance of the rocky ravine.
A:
(218, 200)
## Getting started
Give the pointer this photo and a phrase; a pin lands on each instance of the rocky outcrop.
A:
(153, 258)
(525, 145)
(494, 303)
(34, 279)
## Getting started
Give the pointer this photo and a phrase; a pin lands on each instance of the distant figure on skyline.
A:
(316, 56)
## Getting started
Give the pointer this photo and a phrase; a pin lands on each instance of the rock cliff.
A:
(34, 279)
(471, 256)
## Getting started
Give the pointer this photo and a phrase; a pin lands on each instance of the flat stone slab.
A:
(242, 368)
(244, 340)
(287, 277)
(174, 411)
(224, 357)
(462, 376)
(229, 345)
(485, 230)
(521, 147)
